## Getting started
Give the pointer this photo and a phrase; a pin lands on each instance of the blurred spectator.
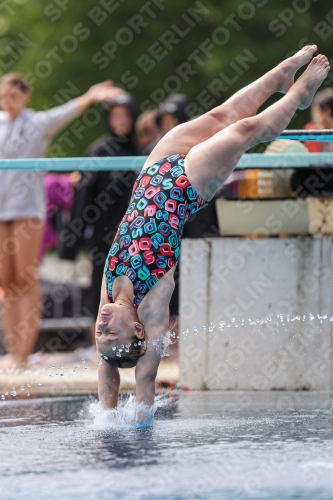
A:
(25, 133)
(321, 118)
(101, 198)
(147, 130)
(59, 192)
(171, 112)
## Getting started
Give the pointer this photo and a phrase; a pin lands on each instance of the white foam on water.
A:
(125, 415)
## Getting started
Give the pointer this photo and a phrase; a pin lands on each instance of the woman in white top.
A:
(25, 133)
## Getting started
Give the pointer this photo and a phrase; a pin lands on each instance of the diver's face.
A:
(114, 323)
(13, 100)
(120, 120)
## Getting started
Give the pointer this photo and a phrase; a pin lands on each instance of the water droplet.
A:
(28, 393)
(100, 362)
(51, 376)
(6, 393)
(52, 366)
(83, 361)
(118, 354)
(61, 374)
(86, 368)
(135, 345)
(28, 385)
(3, 397)
(122, 346)
(35, 381)
(22, 387)
(39, 383)
(114, 348)
(13, 392)
(139, 343)
(126, 349)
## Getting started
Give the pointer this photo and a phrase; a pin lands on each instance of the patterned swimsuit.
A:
(147, 243)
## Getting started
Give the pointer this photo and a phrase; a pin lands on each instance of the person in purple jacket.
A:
(59, 193)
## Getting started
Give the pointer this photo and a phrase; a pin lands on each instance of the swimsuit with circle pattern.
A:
(147, 243)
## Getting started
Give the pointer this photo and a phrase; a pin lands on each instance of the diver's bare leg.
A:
(241, 105)
(209, 163)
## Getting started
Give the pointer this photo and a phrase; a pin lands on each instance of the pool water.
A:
(202, 445)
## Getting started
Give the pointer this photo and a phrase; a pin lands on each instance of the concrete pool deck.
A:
(69, 376)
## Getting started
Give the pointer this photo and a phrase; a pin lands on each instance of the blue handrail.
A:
(292, 160)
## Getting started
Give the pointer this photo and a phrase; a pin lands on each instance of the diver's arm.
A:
(145, 375)
(108, 385)
(108, 375)
(147, 366)
(104, 297)
(154, 316)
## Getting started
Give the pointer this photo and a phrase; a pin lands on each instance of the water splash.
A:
(278, 320)
(126, 415)
(161, 345)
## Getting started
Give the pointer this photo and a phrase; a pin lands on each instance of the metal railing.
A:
(284, 160)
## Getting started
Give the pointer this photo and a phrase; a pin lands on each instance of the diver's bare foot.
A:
(310, 81)
(10, 363)
(285, 72)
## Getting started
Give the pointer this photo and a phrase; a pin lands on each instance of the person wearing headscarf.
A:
(171, 112)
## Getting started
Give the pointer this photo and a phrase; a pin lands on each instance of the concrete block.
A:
(264, 292)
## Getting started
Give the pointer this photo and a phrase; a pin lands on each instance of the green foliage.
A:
(217, 48)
